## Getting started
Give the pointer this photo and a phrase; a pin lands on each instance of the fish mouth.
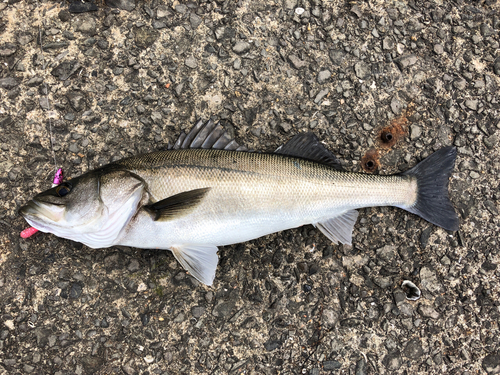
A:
(38, 213)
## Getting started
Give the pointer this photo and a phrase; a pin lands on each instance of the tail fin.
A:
(433, 203)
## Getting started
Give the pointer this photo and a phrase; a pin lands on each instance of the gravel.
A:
(117, 78)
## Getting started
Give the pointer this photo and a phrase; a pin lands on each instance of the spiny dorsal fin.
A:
(178, 204)
(307, 146)
(208, 135)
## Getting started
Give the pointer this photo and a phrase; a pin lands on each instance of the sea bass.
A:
(205, 193)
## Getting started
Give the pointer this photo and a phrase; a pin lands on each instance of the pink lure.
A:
(58, 178)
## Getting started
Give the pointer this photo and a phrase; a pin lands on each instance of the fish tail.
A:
(432, 202)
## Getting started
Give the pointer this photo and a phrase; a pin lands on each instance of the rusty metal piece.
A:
(370, 162)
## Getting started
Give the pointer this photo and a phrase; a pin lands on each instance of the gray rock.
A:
(406, 61)
(7, 49)
(428, 312)
(241, 47)
(237, 64)
(195, 20)
(8, 83)
(460, 84)
(387, 253)
(362, 70)
(491, 141)
(76, 100)
(387, 43)
(191, 62)
(181, 8)
(133, 266)
(290, 4)
(87, 25)
(393, 361)
(429, 280)
(324, 76)
(438, 49)
(382, 282)
(491, 363)
(223, 309)
(145, 36)
(127, 5)
(198, 311)
(337, 56)
(413, 349)
(321, 95)
(296, 62)
(472, 104)
(415, 132)
(331, 365)
(496, 65)
(396, 105)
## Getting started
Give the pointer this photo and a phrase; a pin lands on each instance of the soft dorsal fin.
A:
(178, 204)
(339, 228)
(208, 135)
(307, 146)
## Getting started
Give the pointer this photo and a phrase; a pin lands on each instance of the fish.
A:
(208, 191)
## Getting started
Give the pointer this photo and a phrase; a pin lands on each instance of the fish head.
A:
(92, 208)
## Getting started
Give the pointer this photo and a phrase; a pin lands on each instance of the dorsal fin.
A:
(307, 146)
(208, 135)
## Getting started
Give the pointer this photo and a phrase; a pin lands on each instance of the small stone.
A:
(331, 365)
(8, 83)
(7, 49)
(76, 100)
(405, 61)
(198, 311)
(415, 132)
(299, 11)
(396, 105)
(472, 104)
(460, 84)
(491, 363)
(237, 64)
(195, 20)
(127, 5)
(386, 253)
(438, 49)
(413, 349)
(491, 141)
(321, 95)
(241, 47)
(323, 76)
(223, 309)
(393, 361)
(145, 36)
(296, 62)
(362, 70)
(382, 282)
(387, 43)
(133, 266)
(191, 62)
(429, 280)
(290, 4)
(474, 175)
(181, 8)
(87, 26)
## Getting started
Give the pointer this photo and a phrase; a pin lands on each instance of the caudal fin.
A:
(433, 203)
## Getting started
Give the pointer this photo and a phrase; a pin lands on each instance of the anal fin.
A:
(339, 228)
(199, 260)
(176, 204)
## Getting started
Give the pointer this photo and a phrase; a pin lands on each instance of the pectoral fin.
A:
(199, 260)
(339, 228)
(177, 204)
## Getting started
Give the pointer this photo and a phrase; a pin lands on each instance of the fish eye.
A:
(63, 189)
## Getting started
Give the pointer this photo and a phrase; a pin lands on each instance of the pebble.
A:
(415, 132)
(8, 83)
(406, 61)
(296, 62)
(241, 47)
(324, 76)
(321, 95)
(429, 280)
(191, 62)
(127, 5)
(491, 363)
(472, 104)
(362, 70)
(438, 49)
(413, 349)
